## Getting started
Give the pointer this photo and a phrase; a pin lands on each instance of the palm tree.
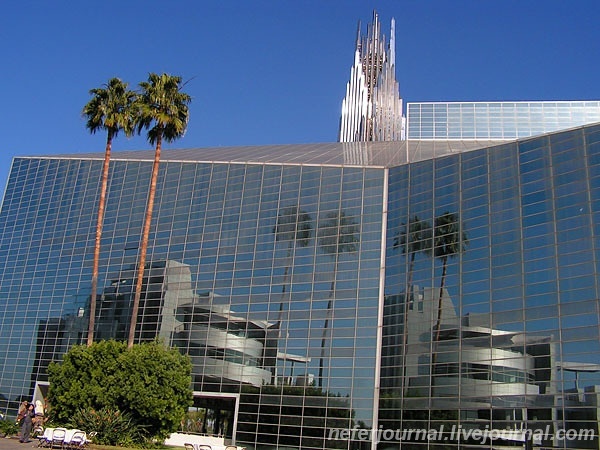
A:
(294, 226)
(414, 238)
(108, 110)
(337, 235)
(162, 109)
(449, 240)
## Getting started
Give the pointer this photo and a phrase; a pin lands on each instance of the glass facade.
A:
(347, 289)
(491, 310)
(496, 120)
(266, 275)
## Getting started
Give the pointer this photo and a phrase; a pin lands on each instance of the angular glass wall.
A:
(261, 273)
(491, 311)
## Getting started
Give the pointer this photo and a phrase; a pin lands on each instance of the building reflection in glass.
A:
(492, 323)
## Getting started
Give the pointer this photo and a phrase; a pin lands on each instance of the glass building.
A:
(496, 120)
(429, 283)
(324, 291)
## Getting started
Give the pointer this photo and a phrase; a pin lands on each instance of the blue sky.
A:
(272, 72)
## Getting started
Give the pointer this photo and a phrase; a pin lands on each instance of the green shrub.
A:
(8, 428)
(148, 384)
(111, 425)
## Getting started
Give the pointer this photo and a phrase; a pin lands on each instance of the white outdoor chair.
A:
(68, 435)
(78, 440)
(45, 439)
(58, 437)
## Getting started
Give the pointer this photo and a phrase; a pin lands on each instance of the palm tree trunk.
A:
(407, 300)
(438, 322)
(144, 248)
(324, 334)
(410, 275)
(283, 290)
(326, 326)
(99, 223)
(280, 314)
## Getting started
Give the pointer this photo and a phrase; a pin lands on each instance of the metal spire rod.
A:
(372, 108)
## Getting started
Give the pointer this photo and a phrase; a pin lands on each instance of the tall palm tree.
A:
(163, 110)
(294, 227)
(415, 237)
(337, 235)
(110, 110)
(449, 239)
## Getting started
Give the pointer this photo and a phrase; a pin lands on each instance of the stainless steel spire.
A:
(372, 108)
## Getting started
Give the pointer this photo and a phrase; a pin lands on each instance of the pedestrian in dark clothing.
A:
(27, 424)
(22, 410)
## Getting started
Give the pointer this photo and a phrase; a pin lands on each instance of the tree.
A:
(337, 235)
(414, 238)
(293, 227)
(149, 383)
(449, 240)
(156, 386)
(162, 110)
(110, 110)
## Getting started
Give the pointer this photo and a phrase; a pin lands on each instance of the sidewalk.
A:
(14, 444)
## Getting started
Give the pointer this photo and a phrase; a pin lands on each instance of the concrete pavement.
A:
(14, 444)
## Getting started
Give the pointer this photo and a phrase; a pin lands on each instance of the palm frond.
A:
(294, 226)
(449, 237)
(111, 109)
(338, 234)
(162, 108)
(416, 236)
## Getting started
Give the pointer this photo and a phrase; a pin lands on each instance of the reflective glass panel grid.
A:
(496, 120)
(491, 312)
(489, 319)
(268, 276)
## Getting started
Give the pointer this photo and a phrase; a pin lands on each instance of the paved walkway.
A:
(14, 444)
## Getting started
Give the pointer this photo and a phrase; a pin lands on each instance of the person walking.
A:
(27, 424)
(38, 419)
(22, 410)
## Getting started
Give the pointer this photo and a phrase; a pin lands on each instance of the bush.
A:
(112, 426)
(8, 428)
(148, 384)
